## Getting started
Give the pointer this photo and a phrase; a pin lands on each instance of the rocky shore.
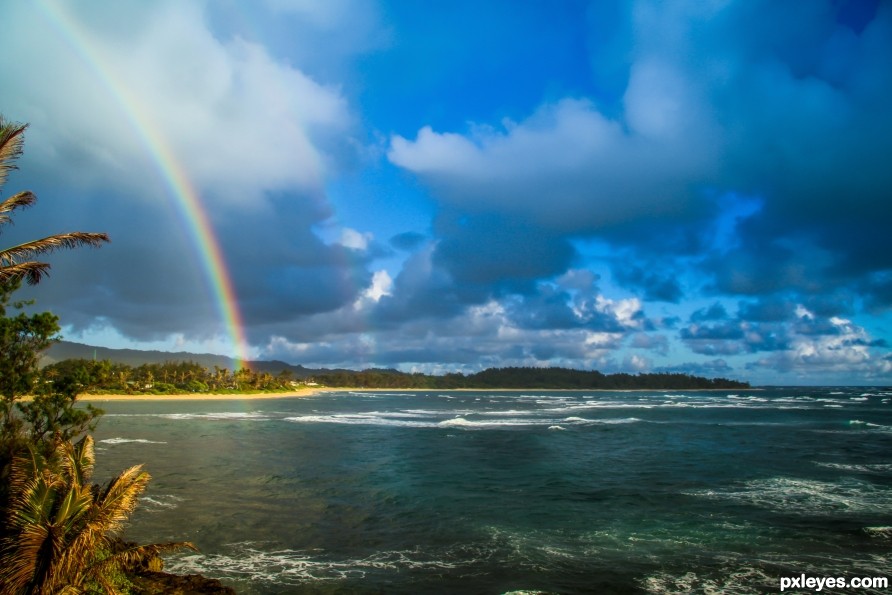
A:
(162, 583)
(148, 578)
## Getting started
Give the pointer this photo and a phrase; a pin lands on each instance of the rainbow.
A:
(185, 197)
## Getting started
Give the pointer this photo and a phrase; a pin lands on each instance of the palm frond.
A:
(114, 505)
(60, 241)
(31, 272)
(12, 269)
(84, 458)
(22, 199)
(11, 141)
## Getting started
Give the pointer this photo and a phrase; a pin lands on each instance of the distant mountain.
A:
(64, 350)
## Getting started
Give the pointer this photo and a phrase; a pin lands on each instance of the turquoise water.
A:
(481, 492)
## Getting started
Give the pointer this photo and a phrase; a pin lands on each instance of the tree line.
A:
(177, 377)
(174, 377)
(525, 377)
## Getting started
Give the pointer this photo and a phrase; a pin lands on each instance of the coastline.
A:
(304, 392)
(310, 392)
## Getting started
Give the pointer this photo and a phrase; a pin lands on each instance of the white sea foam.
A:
(157, 502)
(879, 532)
(128, 440)
(621, 420)
(288, 567)
(806, 496)
(362, 419)
(877, 468)
(461, 422)
(557, 428)
(869, 425)
(221, 416)
(742, 580)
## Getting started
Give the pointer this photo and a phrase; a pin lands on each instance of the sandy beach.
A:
(304, 392)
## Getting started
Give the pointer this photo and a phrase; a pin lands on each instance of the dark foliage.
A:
(544, 378)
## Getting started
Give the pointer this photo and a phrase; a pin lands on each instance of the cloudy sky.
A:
(702, 187)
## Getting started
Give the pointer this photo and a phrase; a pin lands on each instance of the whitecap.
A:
(221, 416)
(732, 581)
(128, 440)
(806, 496)
(879, 532)
(621, 420)
(870, 425)
(877, 468)
(557, 428)
(288, 567)
(157, 502)
(461, 422)
(361, 419)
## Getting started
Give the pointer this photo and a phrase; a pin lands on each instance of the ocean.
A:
(532, 491)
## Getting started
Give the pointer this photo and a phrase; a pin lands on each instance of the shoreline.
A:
(304, 392)
(311, 392)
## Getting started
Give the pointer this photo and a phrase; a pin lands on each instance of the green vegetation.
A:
(58, 531)
(544, 378)
(100, 377)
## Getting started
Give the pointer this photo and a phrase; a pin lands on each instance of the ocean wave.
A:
(462, 422)
(128, 440)
(221, 416)
(879, 532)
(158, 502)
(741, 580)
(362, 419)
(288, 567)
(620, 420)
(869, 425)
(871, 468)
(731, 575)
(805, 496)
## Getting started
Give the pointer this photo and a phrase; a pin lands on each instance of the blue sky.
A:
(701, 187)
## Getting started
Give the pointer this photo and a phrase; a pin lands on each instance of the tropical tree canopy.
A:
(16, 262)
(62, 529)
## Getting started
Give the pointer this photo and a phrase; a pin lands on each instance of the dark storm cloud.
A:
(776, 309)
(498, 251)
(784, 102)
(408, 241)
(714, 312)
(653, 283)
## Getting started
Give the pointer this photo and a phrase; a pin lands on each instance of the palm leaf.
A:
(50, 244)
(31, 272)
(113, 506)
(22, 199)
(11, 141)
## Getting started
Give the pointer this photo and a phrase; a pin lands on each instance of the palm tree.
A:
(15, 263)
(62, 530)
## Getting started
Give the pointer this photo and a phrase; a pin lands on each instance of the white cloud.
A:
(844, 348)
(567, 166)
(355, 240)
(381, 285)
(237, 121)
